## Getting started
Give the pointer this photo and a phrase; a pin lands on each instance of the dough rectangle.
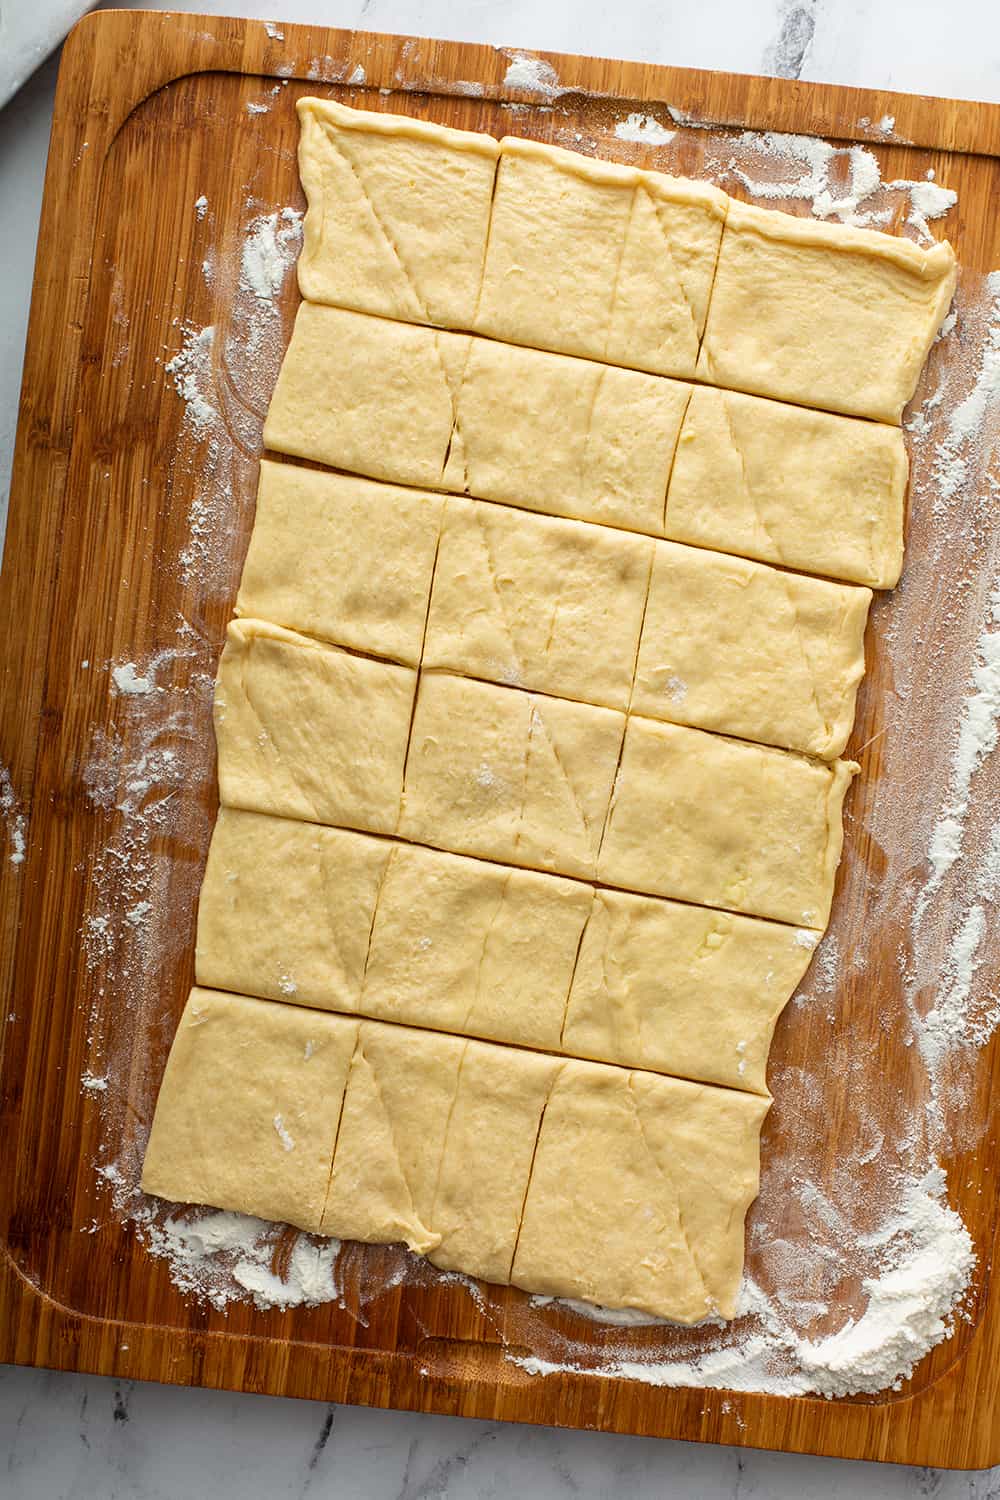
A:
(630, 282)
(508, 775)
(725, 823)
(551, 605)
(341, 558)
(823, 314)
(310, 731)
(748, 650)
(398, 211)
(807, 489)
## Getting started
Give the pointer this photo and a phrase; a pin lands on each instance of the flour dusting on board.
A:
(856, 1266)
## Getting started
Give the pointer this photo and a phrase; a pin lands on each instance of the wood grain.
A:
(150, 113)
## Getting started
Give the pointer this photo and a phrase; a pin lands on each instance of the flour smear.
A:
(857, 1265)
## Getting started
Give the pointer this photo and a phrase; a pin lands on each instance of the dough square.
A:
(508, 775)
(398, 213)
(341, 558)
(286, 909)
(630, 280)
(473, 948)
(752, 651)
(308, 731)
(367, 395)
(682, 989)
(807, 489)
(247, 1112)
(724, 823)
(615, 1176)
(525, 600)
(568, 436)
(823, 314)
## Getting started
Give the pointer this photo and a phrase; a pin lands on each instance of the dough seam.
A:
(572, 976)
(557, 1074)
(419, 669)
(664, 1172)
(340, 1117)
(488, 236)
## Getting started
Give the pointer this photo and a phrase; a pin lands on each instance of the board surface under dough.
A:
(342, 921)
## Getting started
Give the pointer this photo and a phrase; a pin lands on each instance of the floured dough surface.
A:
(823, 314)
(494, 1160)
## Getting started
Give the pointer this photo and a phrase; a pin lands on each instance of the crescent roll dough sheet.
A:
(342, 558)
(725, 823)
(807, 489)
(488, 1159)
(398, 213)
(748, 650)
(341, 921)
(823, 314)
(508, 775)
(444, 411)
(636, 255)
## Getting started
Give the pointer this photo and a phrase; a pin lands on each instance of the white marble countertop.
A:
(91, 1438)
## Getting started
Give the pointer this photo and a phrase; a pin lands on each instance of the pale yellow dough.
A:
(807, 489)
(753, 651)
(724, 823)
(525, 600)
(577, 1179)
(639, 1192)
(246, 1117)
(594, 258)
(823, 314)
(444, 411)
(310, 731)
(508, 775)
(345, 922)
(398, 213)
(341, 558)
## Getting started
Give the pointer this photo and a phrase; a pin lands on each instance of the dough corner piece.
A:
(247, 1113)
(398, 213)
(639, 1192)
(826, 315)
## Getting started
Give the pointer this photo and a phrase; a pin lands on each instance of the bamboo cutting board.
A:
(111, 544)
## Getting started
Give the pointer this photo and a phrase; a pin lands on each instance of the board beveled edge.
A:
(950, 1423)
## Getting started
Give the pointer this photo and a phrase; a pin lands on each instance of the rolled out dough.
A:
(342, 558)
(575, 1178)
(288, 912)
(570, 437)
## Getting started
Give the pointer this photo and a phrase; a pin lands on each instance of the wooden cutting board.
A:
(128, 524)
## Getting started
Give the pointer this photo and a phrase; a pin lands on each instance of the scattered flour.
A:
(533, 75)
(126, 679)
(257, 109)
(644, 129)
(274, 32)
(14, 819)
(201, 207)
(283, 1134)
(358, 75)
